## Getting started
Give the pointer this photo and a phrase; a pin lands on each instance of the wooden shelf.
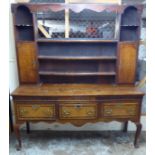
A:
(77, 73)
(77, 57)
(130, 25)
(76, 40)
(24, 25)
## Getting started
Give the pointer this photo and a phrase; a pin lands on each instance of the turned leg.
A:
(17, 133)
(28, 127)
(125, 129)
(137, 135)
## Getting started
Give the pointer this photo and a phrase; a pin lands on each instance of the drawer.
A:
(120, 109)
(35, 111)
(77, 111)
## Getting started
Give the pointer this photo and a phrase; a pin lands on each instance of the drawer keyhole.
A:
(35, 107)
(78, 106)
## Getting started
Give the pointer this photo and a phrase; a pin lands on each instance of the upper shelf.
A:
(76, 40)
(24, 25)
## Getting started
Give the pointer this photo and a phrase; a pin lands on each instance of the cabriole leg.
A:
(137, 135)
(28, 127)
(125, 129)
(17, 134)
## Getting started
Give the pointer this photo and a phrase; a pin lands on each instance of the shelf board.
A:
(130, 25)
(77, 57)
(76, 40)
(77, 73)
(23, 25)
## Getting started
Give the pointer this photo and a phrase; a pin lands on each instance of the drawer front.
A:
(78, 111)
(35, 111)
(120, 109)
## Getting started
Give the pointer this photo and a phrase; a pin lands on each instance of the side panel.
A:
(127, 62)
(27, 62)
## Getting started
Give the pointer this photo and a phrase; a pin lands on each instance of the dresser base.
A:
(77, 104)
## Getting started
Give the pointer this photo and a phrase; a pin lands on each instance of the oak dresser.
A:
(77, 64)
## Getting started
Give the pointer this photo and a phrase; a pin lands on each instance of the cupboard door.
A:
(27, 62)
(127, 63)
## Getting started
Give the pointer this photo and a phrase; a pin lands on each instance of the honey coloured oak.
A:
(127, 63)
(120, 110)
(27, 62)
(84, 72)
(35, 111)
(78, 111)
(71, 90)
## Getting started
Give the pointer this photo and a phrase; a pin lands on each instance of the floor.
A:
(78, 143)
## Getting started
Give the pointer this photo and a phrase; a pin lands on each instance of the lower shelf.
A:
(47, 57)
(77, 73)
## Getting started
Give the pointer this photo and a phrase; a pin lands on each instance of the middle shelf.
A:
(84, 50)
(77, 68)
(45, 57)
(65, 62)
(75, 40)
(52, 73)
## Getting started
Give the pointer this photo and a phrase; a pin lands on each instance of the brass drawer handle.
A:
(67, 113)
(109, 111)
(47, 112)
(90, 113)
(131, 111)
(35, 107)
(23, 111)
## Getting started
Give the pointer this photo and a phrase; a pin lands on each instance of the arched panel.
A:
(130, 16)
(23, 16)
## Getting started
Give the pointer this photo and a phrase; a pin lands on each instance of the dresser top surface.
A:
(75, 90)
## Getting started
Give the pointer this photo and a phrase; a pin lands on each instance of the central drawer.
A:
(30, 111)
(77, 111)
